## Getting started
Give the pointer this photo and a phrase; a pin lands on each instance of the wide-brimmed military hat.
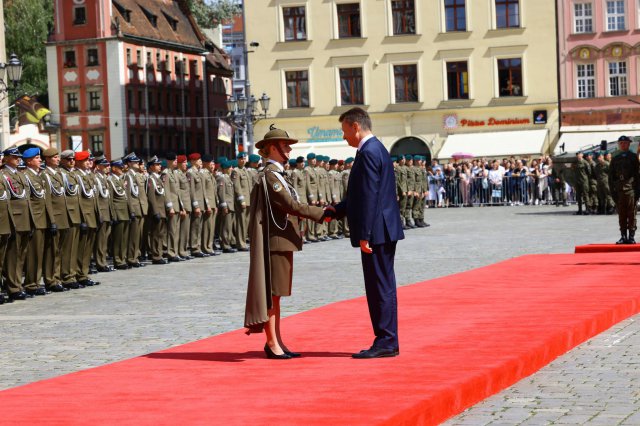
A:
(275, 135)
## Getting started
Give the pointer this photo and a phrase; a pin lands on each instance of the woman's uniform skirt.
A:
(281, 272)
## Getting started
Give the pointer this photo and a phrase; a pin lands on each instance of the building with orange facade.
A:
(136, 75)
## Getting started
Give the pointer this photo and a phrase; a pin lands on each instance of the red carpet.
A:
(604, 248)
(463, 338)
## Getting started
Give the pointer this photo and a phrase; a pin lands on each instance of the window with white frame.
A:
(457, 80)
(507, 13)
(586, 80)
(405, 79)
(348, 20)
(295, 23)
(403, 13)
(615, 15)
(583, 18)
(455, 15)
(95, 101)
(297, 83)
(97, 143)
(351, 86)
(510, 77)
(618, 78)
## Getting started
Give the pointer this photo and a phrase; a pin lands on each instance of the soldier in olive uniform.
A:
(70, 240)
(184, 197)
(210, 206)
(105, 209)
(242, 185)
(557, 182)
(348, 163)
(624, 181)
(197, 203)
(252, 168)
(298, 181)
(138, 206)
(158, 206)
(89, 216)
(120, 227)
(411, 191)
(605, 202)
(335, 196)
(172, 195)
(420, 183)
(42, 220)
(313, 193)
(323, 195)
(226, 206)
(592, 197)
(401, 180)
(5, 231)
(54, 185)
(581, 170)
(19, 204)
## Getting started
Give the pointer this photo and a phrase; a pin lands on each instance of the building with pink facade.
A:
(599, 48)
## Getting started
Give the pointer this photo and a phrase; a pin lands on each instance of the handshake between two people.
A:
(329, 214)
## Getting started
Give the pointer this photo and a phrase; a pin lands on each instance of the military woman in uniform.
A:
(275, 235)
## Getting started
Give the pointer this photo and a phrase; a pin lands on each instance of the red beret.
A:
(340, 162)
(193, 157)
(82, 155)
(182, 158)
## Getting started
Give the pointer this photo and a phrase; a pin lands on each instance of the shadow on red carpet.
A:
(463, 338)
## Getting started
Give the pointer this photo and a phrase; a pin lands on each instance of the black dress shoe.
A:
(271, 355)
(40, 291)
(56, 288)
(212, 253)
(376, 353)
(175, 259)
(243, 249)
(88, 283)
(122, 267)
(70, 286)
(21, 295)
(293, 354)
(136, 265)
(229, 250)
(160, 262)
(104, 269)
(198, 254)
(188, 257)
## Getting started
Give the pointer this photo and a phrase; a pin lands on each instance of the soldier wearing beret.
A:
(275, 209)
(335, 185)
(197, 202)
(348, 163)
(226, 207)
(6, 221)
(624, 181)
(582, 170)
(138, 207)
(70, 240)
(120, 227)
(184, 197)
(411, 190)
(252, 168)
(18, 195)
(172, 195)
(313, 193)
(158, 205)
(105, 209)
(242, 185)
(89, 214)
(210, 205)
(402, 189)
(42, 220)
(605, 202)
(592, 197)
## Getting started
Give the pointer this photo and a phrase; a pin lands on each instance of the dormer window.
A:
(172, 21)
(126, 13)
(153, 19)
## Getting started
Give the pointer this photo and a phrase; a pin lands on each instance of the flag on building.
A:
(224, 131)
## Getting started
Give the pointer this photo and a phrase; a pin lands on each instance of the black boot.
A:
(623, 239)
(631, 239)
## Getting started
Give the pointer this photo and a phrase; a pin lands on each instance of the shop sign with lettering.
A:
(316, 134)
(452, 122)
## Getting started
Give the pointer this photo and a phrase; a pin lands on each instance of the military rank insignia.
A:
(277, 187)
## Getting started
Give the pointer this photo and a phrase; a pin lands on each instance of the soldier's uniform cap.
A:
(349, 160)
(50, 152)
(117, 163)
(170, 156)
(234, 163)
(21, 164)
(30, 152)
(207, 158)
(82, 155)
(340, 162)
(102, 161)
(333, 162)
(15, 152)
(292, 161)
(194, 156)
(131, 158)
(408, 157)
(624, 138)
(225, 164)
(153, 160)
(300, 159)
(241, 155)
(254, 158)
(222, 159)
(68, 153)
(311, 156)
(275, 135)
(181, 158)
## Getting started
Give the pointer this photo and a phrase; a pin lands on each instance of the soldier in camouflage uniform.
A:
(419, 193)
(605, 202)
(624, 181)
(402, 189)
(298, 182)
(592, 197)
(411, 191)
(334, 196)
(348, 163)
(581, 170)
(226, 207)
(313, 193)
(242, 185)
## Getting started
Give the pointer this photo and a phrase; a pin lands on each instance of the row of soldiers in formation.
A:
(592, 183)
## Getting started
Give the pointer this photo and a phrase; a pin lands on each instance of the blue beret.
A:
(12, 151)
(408, 157)
(222, 159)
(31, 152)
(349, 160)
(241, 155)
(225, 164)
(292, 161)
(234, 163)
(311, 156)
(393, 158)
(254, 158)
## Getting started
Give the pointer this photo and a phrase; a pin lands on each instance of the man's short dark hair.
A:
(357, 115)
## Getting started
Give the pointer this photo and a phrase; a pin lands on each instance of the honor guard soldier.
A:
(226, 206)
(210, 205)
(54, 185)
(421, 189)
(42, 220)
(411, 190)
(185, 207)
(252, 168)
(313, 193)
(592, 198)
(105, 210)
(335, 187)
(401, 181)
(297, 179)
(18, 189)
(624, 181)
(5, 231)
(242, 186)
(172, 195)
(89, 216)
(324, 194)
(605, 202)
(158, 206)
(348, 163)
(582, 170)
(69, 240)
(137, 209)
(197, 204)
(120, 226)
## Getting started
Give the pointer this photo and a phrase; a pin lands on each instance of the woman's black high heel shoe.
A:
(271, 355)
(293, 354)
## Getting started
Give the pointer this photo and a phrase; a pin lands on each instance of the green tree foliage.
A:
(27, 24)
(209, 13)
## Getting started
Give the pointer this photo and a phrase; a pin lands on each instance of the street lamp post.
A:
(244, 114)
(10, 74)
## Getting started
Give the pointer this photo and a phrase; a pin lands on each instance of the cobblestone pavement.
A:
(144, 310)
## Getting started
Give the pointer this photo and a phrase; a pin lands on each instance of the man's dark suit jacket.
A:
(371, 205)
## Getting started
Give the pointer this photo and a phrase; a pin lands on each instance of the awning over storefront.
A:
(496, 144)
(338, 150)
(576, 141)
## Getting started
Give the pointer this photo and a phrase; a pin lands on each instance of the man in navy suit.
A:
(372, 211)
